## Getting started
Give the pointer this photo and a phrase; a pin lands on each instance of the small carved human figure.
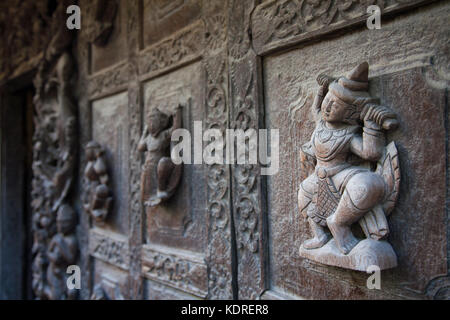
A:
(155, 141)
(349, 139)
(62, 252)
(98, 200)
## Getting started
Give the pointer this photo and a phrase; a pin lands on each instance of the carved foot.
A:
(345, 240)
(316, 242)
(162, 195)
(153, 202)
(320, 238)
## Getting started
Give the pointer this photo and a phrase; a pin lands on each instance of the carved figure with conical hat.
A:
(349, 139)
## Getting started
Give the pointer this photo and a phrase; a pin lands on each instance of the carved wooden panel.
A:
(178, 223)
(109, 247)
(179, 269)
(278, 24)
(226, 231)
(401, 80)
(109, 128)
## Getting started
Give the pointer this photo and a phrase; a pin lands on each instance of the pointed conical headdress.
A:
(353, 87)
(353, 90)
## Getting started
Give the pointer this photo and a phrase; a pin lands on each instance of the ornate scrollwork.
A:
(54, 159)
(182, 46)
(278, 23)
(183, 271)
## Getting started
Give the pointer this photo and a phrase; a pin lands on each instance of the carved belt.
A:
(323, 173)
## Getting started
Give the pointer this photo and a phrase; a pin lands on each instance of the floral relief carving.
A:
(108, 247)
(218, 209)
(183, 46)
(110, 80)
(22, 40)
(215, 34)
(183, 271)
(279, 23)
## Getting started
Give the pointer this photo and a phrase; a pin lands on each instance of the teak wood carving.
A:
(155, 141)
(347, 143)
(98, 199)
(55, 245)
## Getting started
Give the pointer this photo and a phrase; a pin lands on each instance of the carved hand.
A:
(142, 146)
(324, 80)
(377, 117)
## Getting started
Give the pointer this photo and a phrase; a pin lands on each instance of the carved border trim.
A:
(219, 251)
(180, 269)
(247, 107)
(110, 248)
(109, 81)
(135, 211)
(279, 24)
(181, 48)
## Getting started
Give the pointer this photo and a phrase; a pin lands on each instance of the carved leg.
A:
(306, 193)
(164, 173)
(362, 193)
(320, 238)
(165, 168)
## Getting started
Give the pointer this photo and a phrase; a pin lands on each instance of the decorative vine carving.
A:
(217, 177)
(110, 80)
(109, 248)
(135, 239)
(279, 23)
(183, 272)
(246, 191)
(181, 47)
(246, 194)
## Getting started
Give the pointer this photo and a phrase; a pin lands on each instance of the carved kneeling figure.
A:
(343, 189)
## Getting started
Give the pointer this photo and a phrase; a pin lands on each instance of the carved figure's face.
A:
(333, 109)
(64, 225)
(65, 220)
(157, 122)
(91, 153)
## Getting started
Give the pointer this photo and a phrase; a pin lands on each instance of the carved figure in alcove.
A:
(159, 171)
(98, 199)
(62, 252)
(356, 176)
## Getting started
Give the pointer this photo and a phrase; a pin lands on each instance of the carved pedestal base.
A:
(366, 253)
